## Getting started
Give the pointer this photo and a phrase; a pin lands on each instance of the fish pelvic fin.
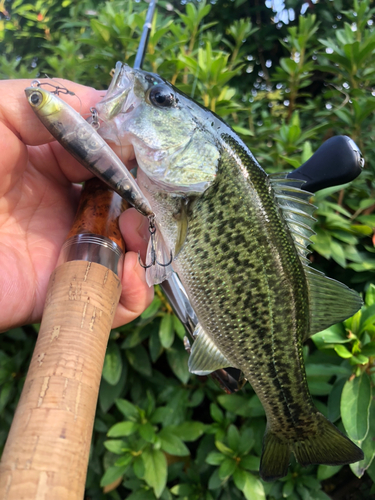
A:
(326, 446)
(329, 446)
(274, 462)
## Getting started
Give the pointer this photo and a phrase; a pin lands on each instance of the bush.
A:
(161, 432)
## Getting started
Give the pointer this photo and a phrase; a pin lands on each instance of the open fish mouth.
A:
(117, 94)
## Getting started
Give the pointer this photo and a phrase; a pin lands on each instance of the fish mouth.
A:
(117, 94)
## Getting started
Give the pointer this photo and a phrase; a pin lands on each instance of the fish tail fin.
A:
(328, 446)
(325, 446)
(274, 462)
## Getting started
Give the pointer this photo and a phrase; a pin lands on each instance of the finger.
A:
(17, 114)
(136, 295)
(134, 229)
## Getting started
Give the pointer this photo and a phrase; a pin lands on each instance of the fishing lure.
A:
(85, 144)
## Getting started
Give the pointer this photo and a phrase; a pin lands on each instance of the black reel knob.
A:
(337, 161)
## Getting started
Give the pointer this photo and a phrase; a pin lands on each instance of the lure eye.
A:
(162, 96)
(36, 98)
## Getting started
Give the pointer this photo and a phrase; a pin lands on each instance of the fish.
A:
(239, 239)
(83, 143)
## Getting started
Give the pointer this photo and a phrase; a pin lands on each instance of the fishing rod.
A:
(47, 451)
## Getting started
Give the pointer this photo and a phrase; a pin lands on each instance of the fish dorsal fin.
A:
(205, 356)
(296, 209)
(156, 273)
(330, 301)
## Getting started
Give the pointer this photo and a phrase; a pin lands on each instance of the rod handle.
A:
(47, 451)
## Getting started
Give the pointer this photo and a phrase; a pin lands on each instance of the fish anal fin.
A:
(328, 446)
(205, 356)
(330, 301)
(275, 458)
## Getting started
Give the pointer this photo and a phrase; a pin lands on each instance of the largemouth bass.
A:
(239, 239)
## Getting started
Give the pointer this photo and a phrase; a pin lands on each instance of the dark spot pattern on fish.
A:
(260, 309)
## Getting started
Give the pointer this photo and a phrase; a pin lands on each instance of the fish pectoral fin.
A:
(205, 356)
(330, 301)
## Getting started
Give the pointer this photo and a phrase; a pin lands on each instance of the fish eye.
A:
(36, 98)
(161, 96)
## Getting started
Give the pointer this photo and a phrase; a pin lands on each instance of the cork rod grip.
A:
(47, 451)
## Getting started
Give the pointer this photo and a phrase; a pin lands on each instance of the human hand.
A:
(38, 201)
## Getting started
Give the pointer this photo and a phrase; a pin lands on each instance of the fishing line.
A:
(195, 81)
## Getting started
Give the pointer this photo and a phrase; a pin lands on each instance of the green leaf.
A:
(327, 471)
(368, 447)
(215, 458)
(178, 327)
(253, 488)
(166, 331)
(215, 482)
(355, 407)
(128, 409)
(152, 309)
(224, 449)
(172, 444)
(368, 349)
(155, 465)
(242, 130)
(188, 431)
(182, 490)
(136, 337)
(250, 462)
(112, 364)
(333, 335)
(227, 467)
(334, 399)
(139, 360)
(178, 361)
(112, 474)
(109, 393)
(233, 437)
(123, 429)
(155, 347)
(147, 432)
(342, 351)
(216, 413)
(115, 446)
(138, 466)
(239, 477)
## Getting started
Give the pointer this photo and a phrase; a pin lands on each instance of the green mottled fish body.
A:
(239, 239)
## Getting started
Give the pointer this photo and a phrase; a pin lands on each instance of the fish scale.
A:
(239, 299)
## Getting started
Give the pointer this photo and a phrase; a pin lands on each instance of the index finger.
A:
(18, 116)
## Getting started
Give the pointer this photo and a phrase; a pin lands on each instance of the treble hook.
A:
(152, 231)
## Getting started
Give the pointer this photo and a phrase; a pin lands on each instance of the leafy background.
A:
(286, 76)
